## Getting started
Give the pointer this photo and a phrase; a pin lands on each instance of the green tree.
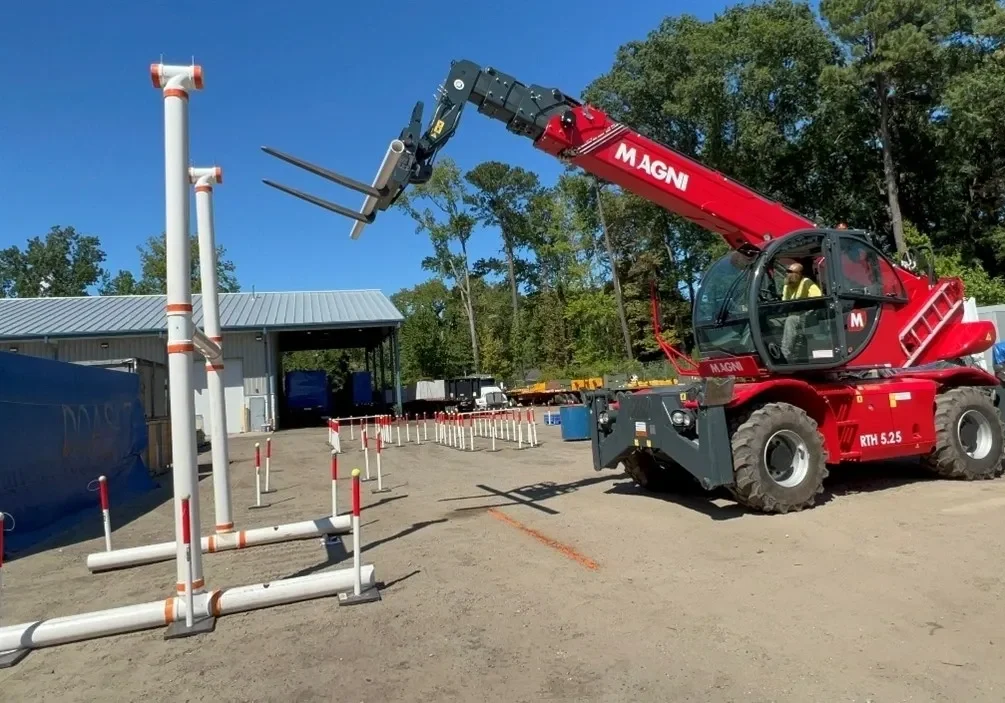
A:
(501, 196)
(153, 271)
(897, 56)
(449, 228)
(63, 263)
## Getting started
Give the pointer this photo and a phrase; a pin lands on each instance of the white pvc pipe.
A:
(176, 82)
(153, 553)
(394, 152)
(145, 616)
(204, 179)
(207, 348)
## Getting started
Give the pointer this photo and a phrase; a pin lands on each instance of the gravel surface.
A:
(526, 576)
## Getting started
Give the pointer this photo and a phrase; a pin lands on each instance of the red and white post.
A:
(258, 480)
(398, 428)
(186, 538)
(358, 595)
(268, 464)
(105, 513)
(338, 438)
(425, 429)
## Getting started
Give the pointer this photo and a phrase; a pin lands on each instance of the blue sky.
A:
(81, 130)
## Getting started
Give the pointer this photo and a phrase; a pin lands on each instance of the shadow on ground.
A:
(89, 525)
(843, 481)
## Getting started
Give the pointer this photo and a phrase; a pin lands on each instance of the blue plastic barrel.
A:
(575, 422)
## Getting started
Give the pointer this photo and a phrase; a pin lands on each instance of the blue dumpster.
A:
(575, 422)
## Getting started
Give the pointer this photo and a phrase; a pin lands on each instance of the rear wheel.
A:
(779, 460)
(969, 436)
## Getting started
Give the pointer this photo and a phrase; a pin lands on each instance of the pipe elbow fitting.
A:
(205, 177)
(170, 77)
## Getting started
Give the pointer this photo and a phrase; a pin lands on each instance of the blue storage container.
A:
(307, 390)
(362, 388)
(575, 422)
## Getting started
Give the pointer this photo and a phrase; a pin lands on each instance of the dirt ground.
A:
(527, 576)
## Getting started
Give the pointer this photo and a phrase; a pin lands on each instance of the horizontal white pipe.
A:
(264, 595)
(165, 551)
(394, 152)
(209, 349)
(145, 616)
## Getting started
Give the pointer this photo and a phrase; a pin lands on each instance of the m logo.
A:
(856, 321)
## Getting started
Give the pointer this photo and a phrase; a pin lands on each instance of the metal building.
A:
(257, 328)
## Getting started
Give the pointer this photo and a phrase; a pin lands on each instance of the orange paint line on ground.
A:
(544, 539)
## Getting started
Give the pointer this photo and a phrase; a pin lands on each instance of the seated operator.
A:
(797, 287)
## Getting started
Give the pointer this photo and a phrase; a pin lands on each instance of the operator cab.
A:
(809, 301)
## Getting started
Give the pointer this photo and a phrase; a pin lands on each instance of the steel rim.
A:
(786, 443)
(974, 432)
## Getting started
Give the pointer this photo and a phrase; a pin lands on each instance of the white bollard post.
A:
(493, 432)
(519, 436)
(425, 430)
(408, 431)
(398, 428)
(338, 438)
(352, 429)
(471, 434)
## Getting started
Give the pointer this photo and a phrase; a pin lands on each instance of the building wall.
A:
(258, 357)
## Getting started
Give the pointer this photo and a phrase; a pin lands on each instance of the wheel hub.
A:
(974, 432)
(787, 458)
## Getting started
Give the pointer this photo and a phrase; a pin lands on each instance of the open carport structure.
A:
(257, 329)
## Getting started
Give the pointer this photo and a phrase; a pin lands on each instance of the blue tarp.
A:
(998, 354)
(63, 425)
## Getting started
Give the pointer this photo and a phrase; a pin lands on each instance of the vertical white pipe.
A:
(268, 462)
(258, 476)
(176, 82)
(408, 431)
(425, 430)
(204, 179)
(334, 483)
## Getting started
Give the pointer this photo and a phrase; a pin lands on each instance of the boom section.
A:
(588, 138)
(608, 149)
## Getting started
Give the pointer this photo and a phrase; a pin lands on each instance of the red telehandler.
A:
(860, 368)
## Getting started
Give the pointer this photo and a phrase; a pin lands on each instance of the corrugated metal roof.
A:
(95, 316)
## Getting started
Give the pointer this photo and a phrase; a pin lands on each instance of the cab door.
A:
(806, 332)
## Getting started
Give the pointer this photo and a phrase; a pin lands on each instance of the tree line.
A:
(68, 263)
(884, 115)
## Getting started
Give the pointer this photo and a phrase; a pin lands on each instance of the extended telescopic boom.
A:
(574, 132)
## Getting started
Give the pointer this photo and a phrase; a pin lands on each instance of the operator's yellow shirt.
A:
(804, 289)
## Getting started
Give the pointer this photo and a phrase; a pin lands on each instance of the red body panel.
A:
(866, 420)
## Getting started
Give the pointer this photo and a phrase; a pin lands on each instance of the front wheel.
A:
(779, 460)
(969, 436)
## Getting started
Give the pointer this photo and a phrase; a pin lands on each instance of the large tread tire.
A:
(648, 474)
(753, 485)
(949, 458)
